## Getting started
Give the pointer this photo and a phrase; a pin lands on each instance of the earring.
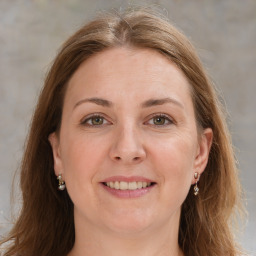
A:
(61, 185)
(196, 188)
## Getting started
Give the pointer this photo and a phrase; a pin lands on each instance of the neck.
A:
(161, 241)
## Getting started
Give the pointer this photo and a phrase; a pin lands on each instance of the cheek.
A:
(174, 160)
(82, 157)
(82, 160)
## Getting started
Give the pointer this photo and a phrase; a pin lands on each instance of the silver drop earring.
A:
(196, 188)
(61, 185)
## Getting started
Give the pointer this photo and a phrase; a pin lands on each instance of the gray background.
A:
(224, 32)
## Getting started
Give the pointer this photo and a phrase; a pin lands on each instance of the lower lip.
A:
(128, 193)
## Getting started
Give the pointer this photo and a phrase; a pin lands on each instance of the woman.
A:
(127, 124)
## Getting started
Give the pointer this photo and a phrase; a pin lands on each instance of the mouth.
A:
(123, 185)
(128, 187)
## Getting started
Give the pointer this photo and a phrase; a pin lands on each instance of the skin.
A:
(130, 140)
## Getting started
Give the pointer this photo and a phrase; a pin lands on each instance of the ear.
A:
(203, 150)
(54, 141)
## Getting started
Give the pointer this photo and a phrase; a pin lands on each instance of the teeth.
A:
(116, 185)
(123, 185)
(132, 185)
(139, 184)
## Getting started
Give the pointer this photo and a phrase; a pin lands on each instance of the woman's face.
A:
(128, 146)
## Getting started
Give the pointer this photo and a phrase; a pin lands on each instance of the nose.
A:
(127, 146)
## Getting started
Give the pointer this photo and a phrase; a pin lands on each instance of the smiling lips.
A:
(128, 187)
(123, 185)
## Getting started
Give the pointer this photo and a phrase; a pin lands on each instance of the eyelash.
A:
(84, 122)
(100, 116)
(160, 115)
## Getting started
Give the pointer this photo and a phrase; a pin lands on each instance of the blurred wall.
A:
(224, 32)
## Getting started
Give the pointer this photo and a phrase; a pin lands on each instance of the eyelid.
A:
(85, 119)
(167, 117)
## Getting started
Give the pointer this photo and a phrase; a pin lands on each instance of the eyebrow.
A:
(98, 101)
(156, 102)
(145, 104)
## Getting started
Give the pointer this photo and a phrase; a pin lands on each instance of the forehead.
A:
(132, 73)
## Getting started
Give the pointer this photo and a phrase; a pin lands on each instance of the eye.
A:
(95, 120)
(160, 120)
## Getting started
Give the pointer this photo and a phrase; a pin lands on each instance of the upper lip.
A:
(127, 179)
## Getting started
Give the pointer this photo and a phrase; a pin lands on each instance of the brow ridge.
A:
(145, 104)
(98, 101)
(156, 102)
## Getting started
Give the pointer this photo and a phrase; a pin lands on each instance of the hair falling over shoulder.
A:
(45, 226)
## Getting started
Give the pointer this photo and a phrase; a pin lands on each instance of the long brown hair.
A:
(45, 226)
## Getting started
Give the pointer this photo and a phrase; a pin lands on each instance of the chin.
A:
(129, 228)
(128, 223)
